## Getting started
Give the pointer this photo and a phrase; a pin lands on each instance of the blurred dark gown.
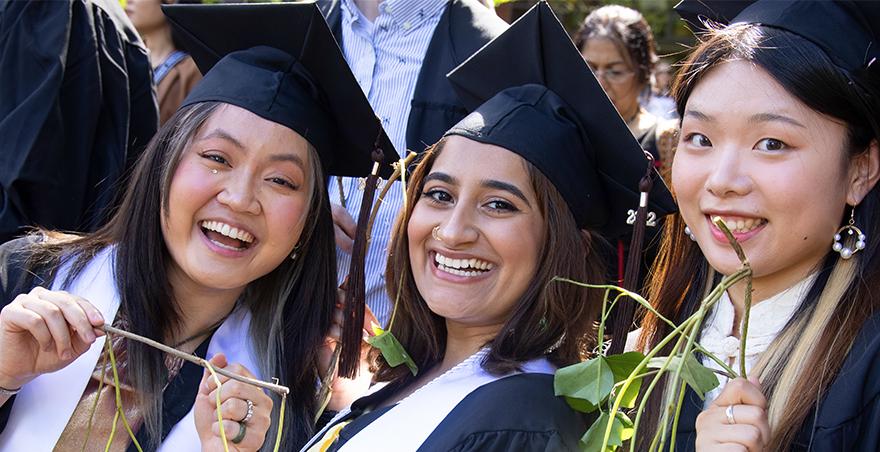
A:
(76, 108)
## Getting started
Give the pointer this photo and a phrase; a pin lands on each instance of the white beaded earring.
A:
(687, 230)
(849, 231)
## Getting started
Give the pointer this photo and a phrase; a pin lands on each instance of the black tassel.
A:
(355, 293)
(624, 310)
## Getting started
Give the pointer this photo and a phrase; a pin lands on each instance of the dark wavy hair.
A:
(630, 33)
(550, 319)
(808, 354)
(291, 307)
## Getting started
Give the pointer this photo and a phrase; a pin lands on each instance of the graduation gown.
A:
(516, 412)
(464, 27)
(848, 414)
(76, 106)
(178, 397)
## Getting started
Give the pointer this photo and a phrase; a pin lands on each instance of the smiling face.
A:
(489, 234)
(777, 171)
(237, 203)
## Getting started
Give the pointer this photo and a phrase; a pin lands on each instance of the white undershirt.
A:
(766, 321)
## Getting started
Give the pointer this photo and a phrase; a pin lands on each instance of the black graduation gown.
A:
(517, 413)
(179, 395)
(848, 416)
(76, 107)
(464, 27)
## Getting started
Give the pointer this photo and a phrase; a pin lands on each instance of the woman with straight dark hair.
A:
(223, 247)
(517, 193)
(779, 137)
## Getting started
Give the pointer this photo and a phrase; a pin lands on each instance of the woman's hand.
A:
(43, 331)
(747, 406)
(343, 390)
(248, 427)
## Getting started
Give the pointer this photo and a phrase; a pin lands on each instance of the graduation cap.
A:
(281, 62)
(847, 31)
(549, 109)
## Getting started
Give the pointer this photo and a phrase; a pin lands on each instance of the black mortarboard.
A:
(847, 31)
(280, 61)
(534, 94)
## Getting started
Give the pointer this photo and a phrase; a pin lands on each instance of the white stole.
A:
(408, 424)
(233, 340)
(42, 409)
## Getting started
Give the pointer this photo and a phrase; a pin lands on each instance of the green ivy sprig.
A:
(610, 384)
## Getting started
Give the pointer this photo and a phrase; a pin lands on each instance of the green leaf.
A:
(622, 366)
(590, 380)
(580, 405)
(696, 375)
(393, 351)
(621, 430)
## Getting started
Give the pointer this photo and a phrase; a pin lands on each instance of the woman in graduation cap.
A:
(518, 192)
(222, 247)
(780, 139)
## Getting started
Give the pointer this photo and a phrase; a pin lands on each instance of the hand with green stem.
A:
(613, 426)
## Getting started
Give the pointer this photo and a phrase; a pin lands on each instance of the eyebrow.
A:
(224, 135)
(774, 117)
(754, 119)
(487, 183)
(698, 115)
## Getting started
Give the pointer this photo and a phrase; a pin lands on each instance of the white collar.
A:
(766, 320)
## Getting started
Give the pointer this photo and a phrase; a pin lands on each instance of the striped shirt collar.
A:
(408, 14)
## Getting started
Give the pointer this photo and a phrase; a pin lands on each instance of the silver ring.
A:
(729, 413)
(250, 412)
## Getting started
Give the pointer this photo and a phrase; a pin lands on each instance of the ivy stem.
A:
(744, 332)
(281, 390)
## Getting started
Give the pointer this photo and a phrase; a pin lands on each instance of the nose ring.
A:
(435, 233)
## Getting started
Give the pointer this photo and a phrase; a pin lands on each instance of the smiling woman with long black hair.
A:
(779, 137)
(223, 246)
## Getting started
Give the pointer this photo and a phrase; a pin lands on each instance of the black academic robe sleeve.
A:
(74, 108)
(848, 416)
(464, 27)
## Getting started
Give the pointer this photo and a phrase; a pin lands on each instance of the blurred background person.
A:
(174, 72)
(76, 108)
(618, 44)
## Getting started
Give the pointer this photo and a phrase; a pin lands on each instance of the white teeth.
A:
(741, 225)
(461, 267)
(228, 231)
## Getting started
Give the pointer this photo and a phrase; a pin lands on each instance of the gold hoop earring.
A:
(851, 231)
(435, 233)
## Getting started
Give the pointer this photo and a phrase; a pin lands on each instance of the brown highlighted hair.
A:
(808, 354)
(551, 318)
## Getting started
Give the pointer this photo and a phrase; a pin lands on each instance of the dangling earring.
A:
(687, 230)
(851, 230)
(295, 252)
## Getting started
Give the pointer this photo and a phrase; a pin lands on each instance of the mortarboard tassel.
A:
(355, 294)
(623, 313)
